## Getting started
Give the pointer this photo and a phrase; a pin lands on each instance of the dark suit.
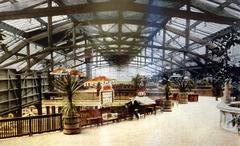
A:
(133, 108)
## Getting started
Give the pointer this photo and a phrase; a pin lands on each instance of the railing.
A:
(30, 125)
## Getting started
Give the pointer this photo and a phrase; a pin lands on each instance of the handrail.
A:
(30, 125)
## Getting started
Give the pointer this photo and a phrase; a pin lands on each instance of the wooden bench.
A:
(89, 117)
(95, 117)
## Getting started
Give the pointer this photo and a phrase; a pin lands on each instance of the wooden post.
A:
(53, 118)
(30, 126)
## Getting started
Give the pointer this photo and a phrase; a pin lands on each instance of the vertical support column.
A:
(48, 119)
(39, 106)
(53, 118)
(88, 59)
(47, 110)
(187, 32)
(28, 60)
(19, 96)
(145, 54)
(152, 52)
(49, 28)
(19, 111)
(74, 43)
(163, 44)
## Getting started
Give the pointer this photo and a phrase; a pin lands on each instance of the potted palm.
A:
(137, 81)
(184, 86)
(69, 85)
(168, 102)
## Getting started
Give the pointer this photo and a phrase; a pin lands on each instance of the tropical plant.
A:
(144, 81)
(223, 70)
(69, 85)
(184, 85)
(236, 122)
(137, 81)
(167, 83)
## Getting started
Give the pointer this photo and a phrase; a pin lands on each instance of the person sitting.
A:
(133, 108)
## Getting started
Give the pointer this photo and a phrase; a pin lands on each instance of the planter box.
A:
(192, 97)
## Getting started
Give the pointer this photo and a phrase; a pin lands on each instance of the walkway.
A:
(193, 124)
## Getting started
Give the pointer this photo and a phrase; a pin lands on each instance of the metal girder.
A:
(224, 31)
(48, 50)
(23, 4)
(31, 39)
(204, 6)
(42, 22)
(12, 29)
(33, 62)
(191, 37)
(110, 6)
(191, 26)
(226, 3)
(229, 6)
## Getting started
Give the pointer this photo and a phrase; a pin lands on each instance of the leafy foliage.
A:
(167, 83)
(222, 71)
(184, 85)
(236, 122)
(68, 85)
(137, 81)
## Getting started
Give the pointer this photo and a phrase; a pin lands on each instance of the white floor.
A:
(193, 124)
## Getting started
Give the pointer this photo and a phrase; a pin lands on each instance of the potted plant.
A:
(168, 102)
(184, 86)
(68, 85)
(137, 81)
(236, 122)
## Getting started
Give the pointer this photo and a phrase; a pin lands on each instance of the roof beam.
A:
(191, 37)
(48, 50)
(109, 6)
(207, 7)
(31, 39)
(12, 29)
(23, 4)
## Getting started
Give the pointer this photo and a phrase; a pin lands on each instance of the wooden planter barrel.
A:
(71, 125)
(167, 106)
(183, 98)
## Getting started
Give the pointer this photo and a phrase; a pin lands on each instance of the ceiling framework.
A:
(117, 33)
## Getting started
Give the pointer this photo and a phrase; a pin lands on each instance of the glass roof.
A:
(110, 33)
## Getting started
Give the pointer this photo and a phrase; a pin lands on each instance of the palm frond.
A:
(69, 85)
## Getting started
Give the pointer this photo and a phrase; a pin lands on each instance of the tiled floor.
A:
(193, 124)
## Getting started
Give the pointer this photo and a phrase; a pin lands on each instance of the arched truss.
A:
(133, 25)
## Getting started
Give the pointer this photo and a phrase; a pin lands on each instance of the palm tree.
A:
(137, 81)
(167, 83)
(69, 85)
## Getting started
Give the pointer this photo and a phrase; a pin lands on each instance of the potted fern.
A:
(69, 85)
